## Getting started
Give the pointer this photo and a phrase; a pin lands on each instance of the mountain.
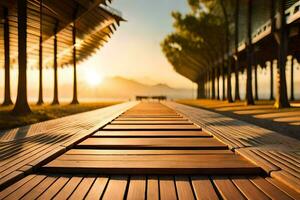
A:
(110, 88)
(119, 87)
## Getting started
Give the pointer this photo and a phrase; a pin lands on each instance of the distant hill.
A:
(119, 87)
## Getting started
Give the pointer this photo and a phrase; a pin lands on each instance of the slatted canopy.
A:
(93, 20)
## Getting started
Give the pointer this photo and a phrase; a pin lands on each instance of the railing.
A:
(291, 15)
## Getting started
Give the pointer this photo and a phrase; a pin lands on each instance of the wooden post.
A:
(281, 92)
(249, 93)
(21, 106)
(255, 82)
(7, 97)
(75, 99)
(237, 82)
(292, 79)
(223, 80)
(229, 95)
(213, 93)
(218, 83)
(40, 100)
(271, 81)
(55, 97)
(200, 90)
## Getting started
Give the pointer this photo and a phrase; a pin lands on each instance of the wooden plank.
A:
(40, 188)
(152, 188)
(157, 164)
(151, 127)
(227, 189)
(149, 116)
(144, 152)
(249, 190)
(184, 188)
(150, 119)
(269, 189)
(287, 178)
(203, 188)
(54, 188)
(82, 188)
(97, 189)
(116, 188)
(24, 189)
(151, 122)
(285, 188)
(68, 189)
(151, 134)
(200, 143)
(7, 191)
(167, 188)
(137, 188)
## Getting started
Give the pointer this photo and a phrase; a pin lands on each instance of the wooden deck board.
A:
(187, 163)
(201, 143)
(152, 164)
(151, 127)
(137, 187)
(151, 134)
(151, 123)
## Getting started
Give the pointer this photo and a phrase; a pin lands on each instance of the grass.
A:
(45, 112)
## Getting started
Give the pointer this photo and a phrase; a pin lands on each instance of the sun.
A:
(92, 77)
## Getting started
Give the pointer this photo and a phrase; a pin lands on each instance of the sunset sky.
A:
(134, 50)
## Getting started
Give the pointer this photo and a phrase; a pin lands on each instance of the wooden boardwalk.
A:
(153, 151)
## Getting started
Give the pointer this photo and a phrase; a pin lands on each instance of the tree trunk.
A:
(255, 82)
(281, 95)
(21, 106)
(75, 99)
(229, 94)
(271, 81)
(223, 81)
(55, 97)
(249, 92)
(218, 83)
(213, 92)
(40, 100)
(200, 90)
(7, 97)
(292, 80)
(237, 82)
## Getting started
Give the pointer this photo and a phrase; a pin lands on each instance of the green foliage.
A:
(199, 37)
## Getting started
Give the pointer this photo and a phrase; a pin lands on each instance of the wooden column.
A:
(40, 99)
(271, 81)
(237, 82)
(223, 79)
(7, 97)
(249, 92)
(200, 89)
(213, 91)
(281, 92)
(21, 106)
(218, 83)
(292, 79)
(75, 98)
(255, 82)
(55, 97)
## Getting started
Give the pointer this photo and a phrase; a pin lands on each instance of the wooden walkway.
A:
(151, 151)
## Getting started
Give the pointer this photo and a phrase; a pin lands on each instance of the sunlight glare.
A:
(92, 77)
